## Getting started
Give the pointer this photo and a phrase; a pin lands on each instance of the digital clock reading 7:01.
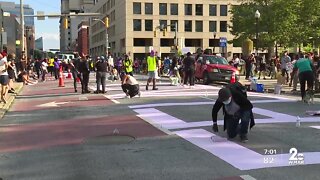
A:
(269, 156)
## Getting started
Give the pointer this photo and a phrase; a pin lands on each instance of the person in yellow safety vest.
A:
(128, 63)
(51, 66)
(152, 68)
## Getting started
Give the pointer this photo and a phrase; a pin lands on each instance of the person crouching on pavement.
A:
(130, 85)
(236, 106)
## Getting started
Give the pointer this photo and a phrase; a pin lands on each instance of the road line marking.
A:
(199, 103)
(248, 159)
(247, 177)
(159, 119)
(316, 127)
(113, 100)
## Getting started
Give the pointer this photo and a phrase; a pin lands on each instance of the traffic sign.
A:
(223, 42)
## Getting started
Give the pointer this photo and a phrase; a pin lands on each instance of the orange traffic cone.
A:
(61, 81)
(69, 74)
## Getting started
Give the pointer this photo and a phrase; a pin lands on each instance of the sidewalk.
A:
(269, 85)
(10, 99)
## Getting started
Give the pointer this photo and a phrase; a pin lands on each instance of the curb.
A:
(10, 101)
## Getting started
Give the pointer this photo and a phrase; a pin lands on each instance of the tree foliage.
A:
(287, 22)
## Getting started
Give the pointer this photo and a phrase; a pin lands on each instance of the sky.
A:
(49, 28)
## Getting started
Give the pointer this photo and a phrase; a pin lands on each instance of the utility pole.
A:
(106, 24)
(22, 25)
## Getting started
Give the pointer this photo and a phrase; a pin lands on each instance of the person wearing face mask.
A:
(235, 106)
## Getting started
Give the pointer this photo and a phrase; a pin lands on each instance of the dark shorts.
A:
(11, 74)
(4, 80)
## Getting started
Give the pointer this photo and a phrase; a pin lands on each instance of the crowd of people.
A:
(294, 68)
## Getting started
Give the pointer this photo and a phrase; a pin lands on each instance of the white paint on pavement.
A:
(247, 177)
(239, 156)
(316, 127)
(52, 104)
(199, 103)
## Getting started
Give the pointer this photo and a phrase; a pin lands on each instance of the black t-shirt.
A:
(84, 67)
(189, 63)
(102, 66)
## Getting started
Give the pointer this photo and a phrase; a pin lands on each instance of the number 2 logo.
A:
(295, 156)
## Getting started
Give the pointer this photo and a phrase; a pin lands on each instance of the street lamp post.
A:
(107, 36)
(257, 16)
(214, 40)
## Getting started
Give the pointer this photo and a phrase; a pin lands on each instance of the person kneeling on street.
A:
(236, 106)
(130, 86)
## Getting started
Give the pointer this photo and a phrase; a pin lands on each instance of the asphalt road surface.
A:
(51, 132)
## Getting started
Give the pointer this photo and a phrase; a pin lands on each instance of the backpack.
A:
(238, 87)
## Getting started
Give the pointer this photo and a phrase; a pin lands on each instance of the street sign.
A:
(223, 42)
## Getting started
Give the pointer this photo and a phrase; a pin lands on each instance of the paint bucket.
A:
(260, 88)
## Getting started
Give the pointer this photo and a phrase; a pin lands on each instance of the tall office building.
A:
(69, 35)
(200, 24)
(14, 10)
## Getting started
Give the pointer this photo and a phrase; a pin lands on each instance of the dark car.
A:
(215, 68)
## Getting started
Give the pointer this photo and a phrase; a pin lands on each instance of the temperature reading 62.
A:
(295, 157)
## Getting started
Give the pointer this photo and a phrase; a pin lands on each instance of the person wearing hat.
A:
(152, 68)
(235, 106)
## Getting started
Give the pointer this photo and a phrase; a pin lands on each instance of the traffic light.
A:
(154, 33)
(65, 23)
(106, 21)
(164, 31)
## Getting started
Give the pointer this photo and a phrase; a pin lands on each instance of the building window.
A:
(148, 8)
(148, 25)
(137, 25)
(223, 10)
(223, 26)
(136, 8)
(199, 9)
(188, 26)
(199, 26)
(172, 23)
(163, 9)
(212, 10)
(174, 9)
(212, 26)
(188, 9)
(163, 23)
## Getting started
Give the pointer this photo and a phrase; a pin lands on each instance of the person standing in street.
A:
(152, 68)
(85, 72)
(284, 65)
(262, 67)
(306, 69)
(74, 67)
(189, 69)
(101, 75)
(128, 65)
(4, 77)
(37, 66)
(236, 107)
(44, 69)
(294, 75)
(249, 64)
(56, 68)
(110, 63)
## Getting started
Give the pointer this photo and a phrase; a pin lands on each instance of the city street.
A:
(50, 132)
